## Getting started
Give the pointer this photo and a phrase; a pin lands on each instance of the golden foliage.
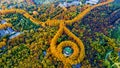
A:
(4, 26)
(64, 8)
(56, 50)
(82, 14)
(3, 43)
(78, 48)
(54, 22)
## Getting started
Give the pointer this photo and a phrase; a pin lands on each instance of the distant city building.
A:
(11, 1)
(17, 1)
(61, 1)
(69, 3)
(76, 3)
(65, 2)
(48, 1)
(92, 2)
(38, 1)
(43, 1)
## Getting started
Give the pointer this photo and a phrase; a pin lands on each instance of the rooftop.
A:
(3, 21)
(91, 2)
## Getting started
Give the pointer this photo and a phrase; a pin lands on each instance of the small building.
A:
(14, 35)
(67, 51)
(2, 33)
(10, 30)
(76, 3)
(7, 31)
(70, 3)
(92, 2)
(3, 22)
(61, 1)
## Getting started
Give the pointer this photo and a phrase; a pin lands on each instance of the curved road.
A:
(53, 22)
